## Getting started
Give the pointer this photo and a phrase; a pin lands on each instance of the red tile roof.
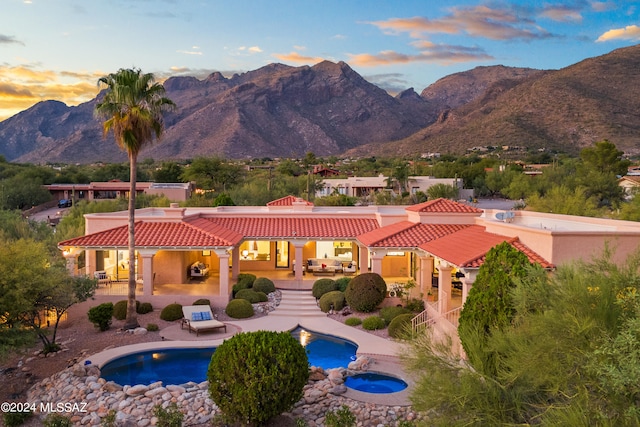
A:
(468, 247)
(443, 206)
(157, 234)
(280, 227)
(288, 201)
(407, 234)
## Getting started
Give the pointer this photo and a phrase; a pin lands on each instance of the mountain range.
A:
(329, 109)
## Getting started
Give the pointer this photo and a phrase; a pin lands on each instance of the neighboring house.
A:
(631, 185)
(177, 192)
(436, 242)
(364, 186)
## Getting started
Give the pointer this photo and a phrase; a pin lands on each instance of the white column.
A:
(363, 259)
(223, 256)
(147, 270)
(71, 256)
(467, 284)
(426, 273)
(235, 262)
(444, 288)
(299, 258)
(376, 260)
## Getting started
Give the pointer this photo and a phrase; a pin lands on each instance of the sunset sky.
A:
(57, 49)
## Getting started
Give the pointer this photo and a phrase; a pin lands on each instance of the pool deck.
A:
(384, 352)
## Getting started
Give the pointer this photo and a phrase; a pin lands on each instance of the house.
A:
(364, 186)
(178, 191)
(437, 242)
(630, 184)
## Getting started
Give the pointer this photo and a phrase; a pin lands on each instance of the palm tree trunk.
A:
(131, 321)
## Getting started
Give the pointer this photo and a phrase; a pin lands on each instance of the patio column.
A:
(376, 260)
(467, 282)
(363, 259)
(235, 262)
(90, 262)
(426, 273)
(299, 259)
(71, 256)
(223, 256)
(444, 288)
(147, 271)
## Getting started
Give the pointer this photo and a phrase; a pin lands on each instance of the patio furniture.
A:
(324, 266)
(349, 269)
(198, 269)
(103, 278)
(200, 318)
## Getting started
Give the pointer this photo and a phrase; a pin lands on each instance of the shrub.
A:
(416, 305)
(264, 284)
(202, 301)
(101, 315)
(252, 296)
(373, 323)
(267, 380)
(152, 327)
(144, 308)
(169, 417)
(13, 419)
(389, 313)
(342, 417)
(353, 321)
(322, 286)
(333, 298)
(365, 292)
(171, 312)
(239, 309)
(120, 309)
(399, 326)
(56, 420)
(342, 283)
(246, 280)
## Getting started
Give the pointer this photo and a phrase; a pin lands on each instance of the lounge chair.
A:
(200, 318)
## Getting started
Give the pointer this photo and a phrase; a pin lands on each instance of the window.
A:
(255, 250)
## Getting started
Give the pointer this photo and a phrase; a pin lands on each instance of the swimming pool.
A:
(371, 382)
(181, 365)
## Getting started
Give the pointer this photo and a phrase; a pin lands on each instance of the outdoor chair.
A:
(200, 318)
(103, 278)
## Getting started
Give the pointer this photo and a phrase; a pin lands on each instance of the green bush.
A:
(246, 280)
(333, 298)
(322, 286)
(152, 327)
(342, 417)
(400, 325)
(252, 296)
(144, 308)
(365, 292)
(266, 381)
(120, 309)
(264, 284)
(101, 315)
(373, 323)
(172, 312)
(416, 305)
(342, 283)
(13, 419)
(353, 321)
(239, 309)
(56, 420)
(202, 301)
(169, 417)
(389, 313)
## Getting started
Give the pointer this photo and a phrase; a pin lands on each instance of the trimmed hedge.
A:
(120, 309)
(239, 309)
(365, 292)
(172, 312)
(267, 380)
(322, 286)
(389, 313)
(202, 301)
(101, 315)
(264, 284)
(246, 280)
(144, 308)
(353, 321)
(333, 298)
(373, 323)
(342, 283)
(400, 326)
(252, 296)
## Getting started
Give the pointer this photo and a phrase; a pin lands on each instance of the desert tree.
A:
(132, 106)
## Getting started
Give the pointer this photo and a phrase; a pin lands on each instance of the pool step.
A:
(297, 304)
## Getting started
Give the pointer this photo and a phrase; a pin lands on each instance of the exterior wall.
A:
(395, 266)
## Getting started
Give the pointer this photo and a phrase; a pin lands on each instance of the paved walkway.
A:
(297, 308)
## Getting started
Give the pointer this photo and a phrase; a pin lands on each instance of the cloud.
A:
(297, 58)
(429, 52)
(630, 32)
(9, 40)
(391, 82)
(478, 21)
(602, 6)
(562, 13)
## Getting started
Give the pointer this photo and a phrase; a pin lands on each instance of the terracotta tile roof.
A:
(281, 227)
(469, 246)
(407, 234)
(288, 201)
(443, 206)
(158, 234)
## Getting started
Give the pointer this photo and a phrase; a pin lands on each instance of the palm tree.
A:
(132, 107)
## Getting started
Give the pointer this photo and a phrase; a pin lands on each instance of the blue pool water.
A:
(375, 383)
(181, 365)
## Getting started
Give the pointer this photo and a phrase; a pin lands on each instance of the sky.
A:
(58, 49)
